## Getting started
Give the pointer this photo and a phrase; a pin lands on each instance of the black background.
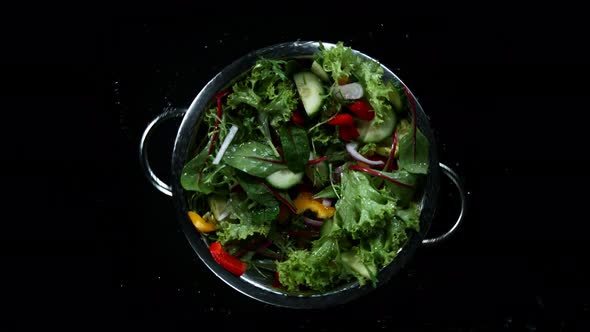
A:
(506, 97)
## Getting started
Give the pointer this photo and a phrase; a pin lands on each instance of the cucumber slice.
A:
(317, 69)
(310, 90)
(372, 133)
(284, 179)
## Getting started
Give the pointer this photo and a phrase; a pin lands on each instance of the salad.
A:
(311, 171)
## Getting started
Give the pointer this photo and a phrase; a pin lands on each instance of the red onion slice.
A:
(351, 148)
(312, 222)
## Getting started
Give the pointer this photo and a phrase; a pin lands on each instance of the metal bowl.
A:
(252, 283)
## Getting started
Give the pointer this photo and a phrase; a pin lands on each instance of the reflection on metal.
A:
(455, 178)
(143, 148)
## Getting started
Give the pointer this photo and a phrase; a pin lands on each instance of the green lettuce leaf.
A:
(246, 220)
(338, 61)
(317, 269)
(362, 209)
(369, 74)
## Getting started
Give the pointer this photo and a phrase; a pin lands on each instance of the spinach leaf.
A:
(256, 190)
(418, 165)
(295, 147)
(253, 158)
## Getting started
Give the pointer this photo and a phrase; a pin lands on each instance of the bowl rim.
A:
(186, 135)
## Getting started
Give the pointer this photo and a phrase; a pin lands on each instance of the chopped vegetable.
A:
(315, 200)
(305, 201)
(229, 262)
(351, 148)
(200, 223)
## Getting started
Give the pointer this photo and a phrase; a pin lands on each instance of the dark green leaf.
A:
(256, 190)
(190, 173)
(295, 147)
(419, 164)
(253, 158)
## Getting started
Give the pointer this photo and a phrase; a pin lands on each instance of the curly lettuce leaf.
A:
(370, 76)
(267, 89)
(338, 61)
(317, 269)
(246, 220)
(362, 209)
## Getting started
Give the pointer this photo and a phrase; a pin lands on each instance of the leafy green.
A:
(317, 269)
(267, 89)
(419, 164)
(338, 61)
(245, 220)
(404, 194)
(370, 76)
(199, 175)
(253, 158)
(362, 209)
(295, 147)
(256, 190)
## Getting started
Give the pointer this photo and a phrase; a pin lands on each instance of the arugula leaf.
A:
(295, 147)
(362, 209)
(253, 158)
(406, 160)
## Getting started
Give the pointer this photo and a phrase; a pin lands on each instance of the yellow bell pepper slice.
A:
(304, 202)
(201, 224)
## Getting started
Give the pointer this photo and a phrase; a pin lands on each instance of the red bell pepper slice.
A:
(342, 120)
(362, 110)
(225, 259)
(348, 133)
(297, 118)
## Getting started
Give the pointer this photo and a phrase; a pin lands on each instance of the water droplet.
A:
(469, 193)
(407, 36)
(206, 46)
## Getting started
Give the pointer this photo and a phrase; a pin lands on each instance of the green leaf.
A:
(256, 190)
(316, 269)
(295, 147)
(253, 158)
(338, 61)
(410, 215)
(406, 160)
(200, 175)
(189, 179)
(378, 92)
(362, 209)
(246, 220)
(404, 194)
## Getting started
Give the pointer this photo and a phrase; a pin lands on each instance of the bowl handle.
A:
(455, 178)
(143, 148)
